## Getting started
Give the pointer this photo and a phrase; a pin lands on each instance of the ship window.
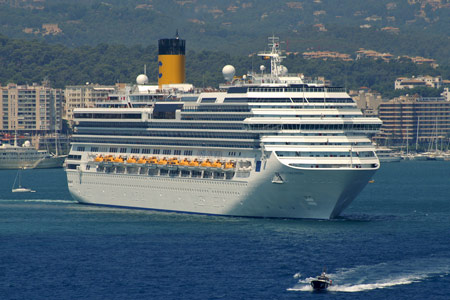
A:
(167, 151)
(74, 157)
(135, 150)
(146, 151)
(113, 149)
(80, 148)
(173, 173)
(196, 174)
(177, 152)
(94, 149)
(187, 152)
(155, 151)
(208, 100)
(219, 175)
(123, 150)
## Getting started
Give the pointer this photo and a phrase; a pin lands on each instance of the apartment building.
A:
(414, 120)
(366, 100)
(83, 96)
(35, 109)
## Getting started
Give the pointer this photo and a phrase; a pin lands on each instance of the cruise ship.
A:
(266, 144)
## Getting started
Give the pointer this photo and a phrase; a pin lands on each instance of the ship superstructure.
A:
(263, 145)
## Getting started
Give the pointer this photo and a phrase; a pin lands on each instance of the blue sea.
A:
(393, 242)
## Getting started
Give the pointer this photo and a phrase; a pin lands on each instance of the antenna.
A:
(145, 69)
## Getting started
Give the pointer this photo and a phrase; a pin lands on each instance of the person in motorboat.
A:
(321, 283)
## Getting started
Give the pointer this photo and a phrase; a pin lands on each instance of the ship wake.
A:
(49, 201)
(380, 276)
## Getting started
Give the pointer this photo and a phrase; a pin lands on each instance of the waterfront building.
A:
(414, 120)
(367, 100)
(34, 109)
(85, 96)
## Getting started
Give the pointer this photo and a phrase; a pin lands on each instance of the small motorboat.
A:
(321, 283)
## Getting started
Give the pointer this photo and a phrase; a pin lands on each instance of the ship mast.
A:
(275, 58)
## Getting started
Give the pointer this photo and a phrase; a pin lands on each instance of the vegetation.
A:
(31, 61)
(238, 27)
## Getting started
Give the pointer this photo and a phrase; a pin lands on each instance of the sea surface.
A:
(393, 242)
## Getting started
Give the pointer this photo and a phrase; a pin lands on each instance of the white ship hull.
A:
(43, 163)
(52, 162)
(307, 193)
(17, 164)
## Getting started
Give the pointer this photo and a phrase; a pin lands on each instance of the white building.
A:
(420, 81)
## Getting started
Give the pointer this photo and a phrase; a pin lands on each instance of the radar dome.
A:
(142, 79)
(284, 70)
(228, 72)
(26, 144)
(262, 68)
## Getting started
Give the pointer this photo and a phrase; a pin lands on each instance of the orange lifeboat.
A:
(99, 158)
(194, 163)
(118, 159)
(131, 160)
(108, 158)
(152, 160)
(173, 161)
(184, 162)
(142, 160)
(229, 165)
(206, 163)
(162, 161)
(217, 164)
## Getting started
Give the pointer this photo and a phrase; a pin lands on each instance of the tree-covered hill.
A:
(31, 61)
(402, 27)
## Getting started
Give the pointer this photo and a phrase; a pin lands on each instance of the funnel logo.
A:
(160, 65)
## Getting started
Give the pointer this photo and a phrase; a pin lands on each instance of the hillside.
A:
(31, 61)
(401, 27)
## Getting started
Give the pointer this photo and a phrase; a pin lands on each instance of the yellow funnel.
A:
(171, 61)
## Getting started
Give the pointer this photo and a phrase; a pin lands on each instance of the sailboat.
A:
(20, 188)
